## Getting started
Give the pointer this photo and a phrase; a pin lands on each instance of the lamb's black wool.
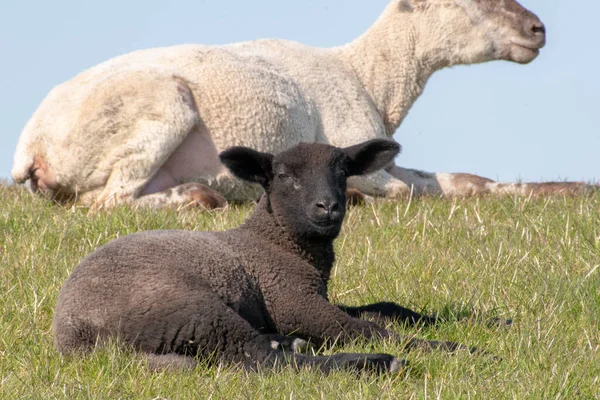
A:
(176, 294)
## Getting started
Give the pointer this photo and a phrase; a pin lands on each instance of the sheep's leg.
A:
(330, 324)
(390, 311)
(380, 183)
(148, 163)
(459, 184)
(188, 194)
(277, 358)
(288, 347)
(380, 363)
(198, 324)
(141, 180)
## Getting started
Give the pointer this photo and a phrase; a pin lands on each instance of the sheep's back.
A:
(138, 279)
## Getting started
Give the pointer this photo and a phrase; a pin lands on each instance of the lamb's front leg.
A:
(383, 312)
(460, 184)
(313, 317)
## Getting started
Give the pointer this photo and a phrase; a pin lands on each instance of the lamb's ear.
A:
(249, 165)
(370, 156)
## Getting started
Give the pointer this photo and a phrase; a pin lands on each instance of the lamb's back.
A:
(144, 273)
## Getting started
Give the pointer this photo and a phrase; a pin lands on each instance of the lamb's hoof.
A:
(300, 346)
(290, 344)
(398, 365)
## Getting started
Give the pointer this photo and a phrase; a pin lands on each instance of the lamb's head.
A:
(474, 31)
(306, 185)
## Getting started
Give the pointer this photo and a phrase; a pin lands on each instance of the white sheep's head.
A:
(475, 31)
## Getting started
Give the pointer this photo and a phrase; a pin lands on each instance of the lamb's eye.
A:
(283, 176)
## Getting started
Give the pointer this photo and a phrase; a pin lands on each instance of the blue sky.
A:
(501, 120)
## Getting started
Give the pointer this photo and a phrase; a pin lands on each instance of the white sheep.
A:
(146, 127)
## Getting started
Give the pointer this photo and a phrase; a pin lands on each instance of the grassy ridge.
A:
(534, 261)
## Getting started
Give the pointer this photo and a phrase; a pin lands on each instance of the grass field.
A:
(533, 261)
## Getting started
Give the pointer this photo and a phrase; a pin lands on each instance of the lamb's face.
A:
(474, 31)
(306, 184)
(308, 191)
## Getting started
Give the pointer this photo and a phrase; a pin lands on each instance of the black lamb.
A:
(233, 296)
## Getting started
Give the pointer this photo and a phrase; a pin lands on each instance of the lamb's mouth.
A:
(324, 223)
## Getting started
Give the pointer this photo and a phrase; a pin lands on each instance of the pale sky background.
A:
(501, 120)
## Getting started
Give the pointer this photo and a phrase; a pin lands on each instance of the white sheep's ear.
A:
(249, 165)
(370, 156)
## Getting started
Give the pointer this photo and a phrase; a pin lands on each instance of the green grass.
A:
(534, 261)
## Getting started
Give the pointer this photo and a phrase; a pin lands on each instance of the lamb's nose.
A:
(327, 207)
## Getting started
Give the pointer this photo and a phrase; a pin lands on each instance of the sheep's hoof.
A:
(398, 365)
(300, 346)
(355, 197)
(290, 344)
(202, 196)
